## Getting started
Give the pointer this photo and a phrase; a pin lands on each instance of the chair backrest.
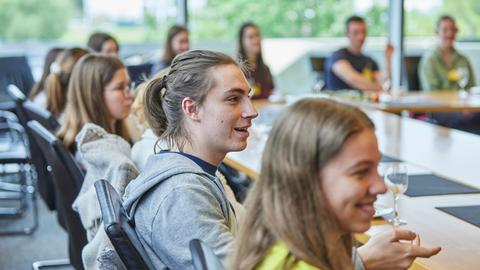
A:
(119, 229)
(139, 73)
(15, 70)
(72, 166)
(318, 66)
(44, 117)
(18, 97)
(203, 256)
(65, 189)
(411, 66)
(44, 181)
(318, 63)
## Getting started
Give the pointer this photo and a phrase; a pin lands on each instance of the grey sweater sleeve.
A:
(188, 212)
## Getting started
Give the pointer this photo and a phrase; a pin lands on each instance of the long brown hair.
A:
(56, 83)
(49, 59)
(85, 98)
(188, 76)
(287, 203)
(242, 54)
(169, 54)
(96, 40)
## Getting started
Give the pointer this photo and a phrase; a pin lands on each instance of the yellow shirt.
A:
(276, 258)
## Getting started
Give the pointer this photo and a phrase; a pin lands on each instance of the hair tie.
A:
(163, 85)
(55, 68)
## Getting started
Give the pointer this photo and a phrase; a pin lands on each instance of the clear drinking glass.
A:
(463, 77)
(396, 179)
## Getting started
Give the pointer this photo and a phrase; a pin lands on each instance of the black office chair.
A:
(203, 256)
(139, 73)
(44, 117)
(44, 181)
(411, 67)
(18, 154)
(66, 189)
(14, 70)
(120, 229)
(318, 63)
(16, 186)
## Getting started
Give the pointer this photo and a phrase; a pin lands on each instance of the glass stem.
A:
(395, 206)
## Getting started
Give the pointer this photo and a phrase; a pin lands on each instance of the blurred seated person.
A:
(440, 69)
(103, 43)
(250, 51)
(56, 84)
(37, 95)
(177, 42)
(349, 68)
(443, 69)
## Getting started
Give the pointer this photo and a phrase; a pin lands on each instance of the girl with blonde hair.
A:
(317, 186)
(99, 93)
(37, 95)
(56, 84)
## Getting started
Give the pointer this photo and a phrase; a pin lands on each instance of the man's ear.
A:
(190, 108)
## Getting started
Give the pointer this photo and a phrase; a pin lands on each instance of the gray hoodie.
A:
(174, 201)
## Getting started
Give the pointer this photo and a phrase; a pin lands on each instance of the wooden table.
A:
(449, 153)
(436, 101)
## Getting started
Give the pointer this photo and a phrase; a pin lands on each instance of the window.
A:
(131, 21)
(421, 17)
(220, 20)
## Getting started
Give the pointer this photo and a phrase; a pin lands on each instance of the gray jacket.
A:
(174, 201)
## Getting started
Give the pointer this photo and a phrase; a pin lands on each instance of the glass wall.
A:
(219, 19)
(141, 21)
(421, 17)
(71, 21)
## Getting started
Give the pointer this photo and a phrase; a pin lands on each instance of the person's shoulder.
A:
(340, 53)
(279, 255)
(429, 55)
(461, 55)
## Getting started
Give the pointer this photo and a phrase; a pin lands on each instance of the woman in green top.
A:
(317, 186)
(447, 69)
(444, 67)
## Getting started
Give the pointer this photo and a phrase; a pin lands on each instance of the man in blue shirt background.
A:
(348, 68)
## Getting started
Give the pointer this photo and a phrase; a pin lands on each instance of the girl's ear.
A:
(190, 108)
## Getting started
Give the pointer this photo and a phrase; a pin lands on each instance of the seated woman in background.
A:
(99, 93)
(177, 42)
(250, 51)
(445, 68)
(202, 110)
(317, 187)
(103, 43)
(440, 68)
(37, 95)
(56, 84)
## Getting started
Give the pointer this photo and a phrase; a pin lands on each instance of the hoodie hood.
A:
(159, 167)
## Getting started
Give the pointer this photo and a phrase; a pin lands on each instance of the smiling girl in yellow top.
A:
(317, 186)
